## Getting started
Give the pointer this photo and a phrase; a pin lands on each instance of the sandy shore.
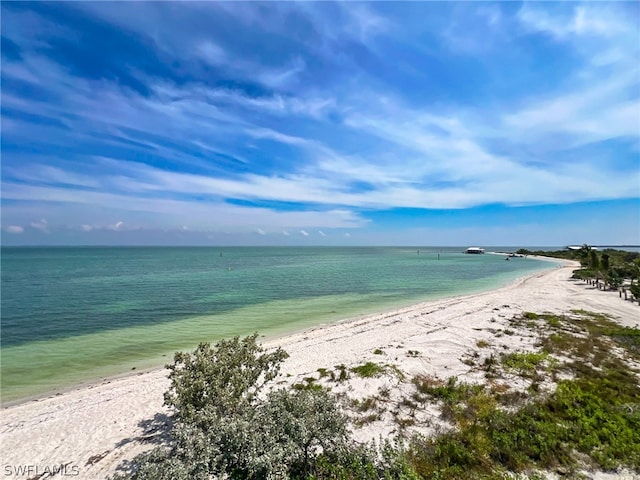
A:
(92, 430)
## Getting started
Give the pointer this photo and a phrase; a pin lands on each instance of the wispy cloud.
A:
(41, 225)
(345, 110)
(14, 229)
(116, 226)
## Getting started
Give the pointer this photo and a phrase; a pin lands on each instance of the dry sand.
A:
(91, 430)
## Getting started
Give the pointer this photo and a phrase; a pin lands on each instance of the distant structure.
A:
(475, 250)
(578, 247)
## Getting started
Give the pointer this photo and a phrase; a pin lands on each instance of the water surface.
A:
(71, 315)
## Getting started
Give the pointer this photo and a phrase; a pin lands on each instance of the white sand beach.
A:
(92, 430)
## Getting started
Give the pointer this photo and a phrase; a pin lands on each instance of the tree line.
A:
(608, 269)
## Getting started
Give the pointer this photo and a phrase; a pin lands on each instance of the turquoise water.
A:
(71, 315)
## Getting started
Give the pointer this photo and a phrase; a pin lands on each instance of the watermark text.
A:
(41, 471)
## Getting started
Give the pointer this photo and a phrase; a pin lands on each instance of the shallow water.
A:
(71, 315)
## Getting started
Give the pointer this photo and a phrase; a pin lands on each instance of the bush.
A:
(226, 427)
(224, 379)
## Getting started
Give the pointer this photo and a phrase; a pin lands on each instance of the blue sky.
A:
(320, 123)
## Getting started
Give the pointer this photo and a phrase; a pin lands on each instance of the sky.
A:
(283, 123)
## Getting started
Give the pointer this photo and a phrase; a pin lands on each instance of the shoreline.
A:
(97, 427)
(105, 379)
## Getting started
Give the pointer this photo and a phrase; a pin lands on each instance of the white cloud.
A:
(365, 23)
(260, 231)
(304, 233)
(444, 161)
(278, 78)
(321, 233)
(116, 226)
(41, 225)
(285, 233)
(211, 53)
(66, 206)
(597, 103)
(86, 228)
(14, 229)
(395, 152)
(348, 235)
(581, 20)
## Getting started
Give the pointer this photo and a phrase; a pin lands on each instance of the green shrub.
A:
(368, 370)
(221, 379)
(225, 429)
(524, 362)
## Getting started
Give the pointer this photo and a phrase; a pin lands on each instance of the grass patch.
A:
(343, 373)
(309, 384)
(553, 320)
(368, 403)
(524, 362)
(629, 337)
(368, 370)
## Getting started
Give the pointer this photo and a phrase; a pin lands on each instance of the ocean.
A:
(77, 314)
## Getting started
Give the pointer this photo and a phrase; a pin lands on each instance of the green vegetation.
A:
(609, 268)
(224, 428)
(594, 418)
(369, 370)
(310, 384)
(344, 374)
(524, 362)
(227, 425)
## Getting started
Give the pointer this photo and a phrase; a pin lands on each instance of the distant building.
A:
(578, 247)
